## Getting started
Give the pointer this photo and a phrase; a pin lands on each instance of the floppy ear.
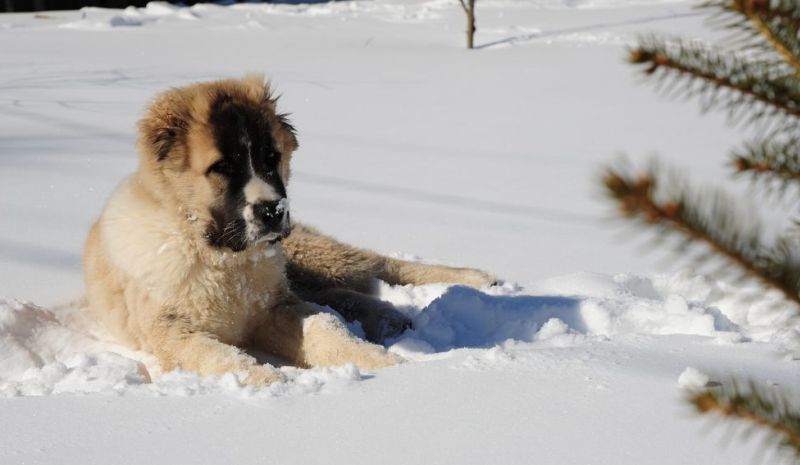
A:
(163, 126)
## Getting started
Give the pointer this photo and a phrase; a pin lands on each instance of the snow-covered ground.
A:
(410, 144)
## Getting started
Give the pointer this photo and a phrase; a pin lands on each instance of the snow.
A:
(693, 379)
(62, 351)
(409, 144)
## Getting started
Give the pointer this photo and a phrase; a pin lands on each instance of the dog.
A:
(195, 256)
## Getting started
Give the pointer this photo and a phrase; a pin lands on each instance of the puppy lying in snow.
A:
(186, 260)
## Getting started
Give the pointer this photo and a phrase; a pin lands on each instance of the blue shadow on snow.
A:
(466, 317)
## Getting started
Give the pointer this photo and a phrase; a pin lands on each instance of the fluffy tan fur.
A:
(157, 285)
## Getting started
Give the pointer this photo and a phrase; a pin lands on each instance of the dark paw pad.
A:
(389, 325)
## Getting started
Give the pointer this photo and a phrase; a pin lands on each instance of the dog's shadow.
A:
(463, 317)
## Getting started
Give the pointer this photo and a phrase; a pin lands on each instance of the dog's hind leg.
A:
(308, 338)
(396, 271)
(316, 261)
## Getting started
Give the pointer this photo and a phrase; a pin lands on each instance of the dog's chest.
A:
(236, 295)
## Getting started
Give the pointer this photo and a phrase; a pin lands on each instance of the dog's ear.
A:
(289, 133)
(163, 126)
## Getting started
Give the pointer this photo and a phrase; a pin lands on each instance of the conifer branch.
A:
(779, 160)
(716, 227)
(784, 10)
(756, 407)
(727, 80)
(776, 23)
(780, 46)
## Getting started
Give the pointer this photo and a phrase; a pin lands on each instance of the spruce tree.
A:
(754, 77)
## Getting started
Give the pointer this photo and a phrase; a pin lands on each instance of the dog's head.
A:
(219, 152)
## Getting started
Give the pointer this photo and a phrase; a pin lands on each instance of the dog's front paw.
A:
(262, 376)
(373, 357)
(328, 342)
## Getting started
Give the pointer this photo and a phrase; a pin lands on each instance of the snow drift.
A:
(60, 351)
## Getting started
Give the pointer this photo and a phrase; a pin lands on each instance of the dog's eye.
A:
(221, 167)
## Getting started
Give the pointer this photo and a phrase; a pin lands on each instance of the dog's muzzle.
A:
(273, 217)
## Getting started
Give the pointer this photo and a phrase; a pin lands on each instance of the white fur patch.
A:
(257, 190)
(250, 222)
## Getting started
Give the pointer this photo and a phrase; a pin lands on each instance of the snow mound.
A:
(681, 303)
(576, 305)
(691, 379)
(104, 22)
(60, 351)
(31, 337)
(93, 18)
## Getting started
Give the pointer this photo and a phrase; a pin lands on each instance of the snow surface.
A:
(486, 158)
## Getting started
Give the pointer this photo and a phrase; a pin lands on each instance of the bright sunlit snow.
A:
(410, 144)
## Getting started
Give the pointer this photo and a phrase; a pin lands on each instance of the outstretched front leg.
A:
(296, 331)
(179, 347)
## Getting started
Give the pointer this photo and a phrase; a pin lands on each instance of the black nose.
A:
(272, 214)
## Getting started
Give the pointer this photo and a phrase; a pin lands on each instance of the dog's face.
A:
(221, 152)
(251, 203)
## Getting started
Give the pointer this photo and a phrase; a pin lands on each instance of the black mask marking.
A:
(243, 137)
